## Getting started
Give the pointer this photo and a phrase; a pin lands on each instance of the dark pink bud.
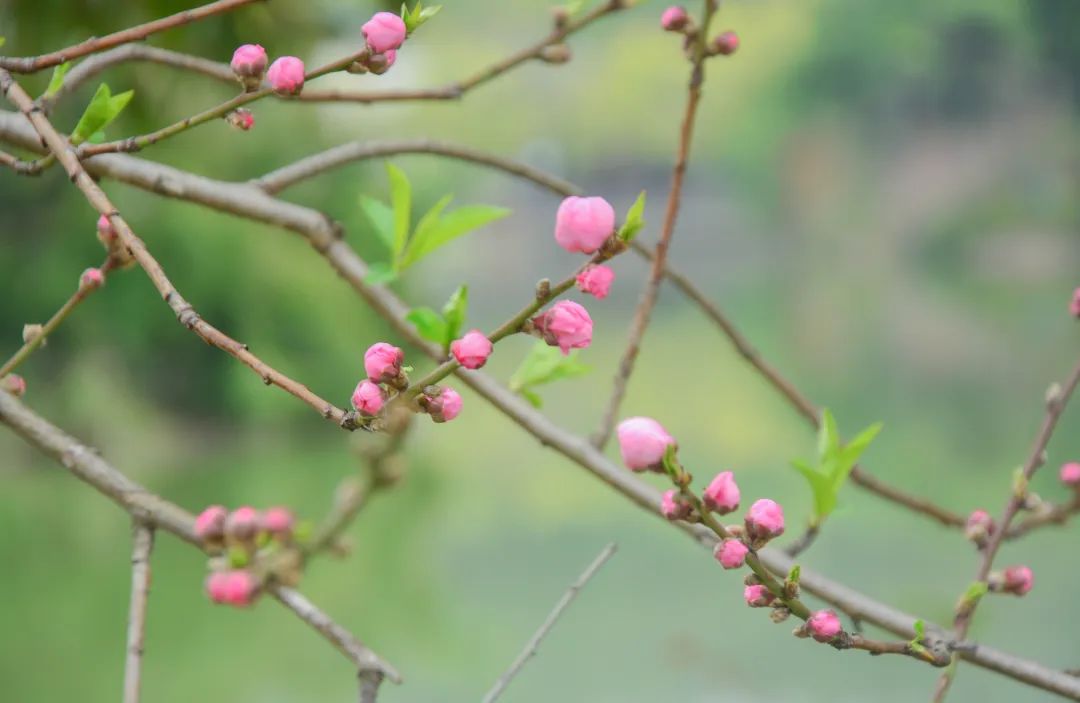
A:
(92, 278)
(642, 442)
(472, 350)
(443, 404)
(824, 626)
(210, 524)
(286, 75)
(1074, 304)
(722, 493)
(673, 506)
(595, 280)
(278, 522)
(765, 520)
(368, 398)
(1070, 474)
(106, 232)
(381, 63)
(566, 325)
(674, 19)
(726, 43)
(1017, 580)
(242, 523)
(241, 119)
(382, 362)
(14, 384)
(979, 527)
(249, 63)
(584, 224)
(757, 596)
(235, 587)
(384, 31)
(731, 553)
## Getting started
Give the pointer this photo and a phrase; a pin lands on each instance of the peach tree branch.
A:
(143, 546)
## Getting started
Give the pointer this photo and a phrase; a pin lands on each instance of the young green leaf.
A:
(57, 80)
(920, 630)
(544, 364)
(401, 203)
(429, 221)
(381, 218)
(3, 40)
(104, 107)
(634, 219)
(821, 487)
(849, 455)
(449, 227)
(429, 324)
(454, 314)
(828, 436)
(534, 399)
(380, 272)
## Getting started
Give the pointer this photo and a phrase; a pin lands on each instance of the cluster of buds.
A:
(14, 384)
(107, 235)
(1016, 580)
(385, 373)
(677, 19)
(253, 547)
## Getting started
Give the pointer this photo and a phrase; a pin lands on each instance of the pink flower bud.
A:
(565, 325)
(726, 43)
(1070, 474)
(757, 596)
(642, 442)
(584, 224)
(249, 62)
(382, 362)
(286, 75)
(443, 404)
(242, 523)
(106, 231)
(381, 63)
(241, 119)
(278, 522)
(674, 19)
(1018, 580)
(722, 494)
(14, 384)
(824, 626)
(472, 350)
(368, 398)
(765, 520)
(92, 278)
(673, 506)
(731, 553)
(979, 526)
(384, 31)
(235, 587)
(1074, 304)
(595, 280)
(210, 524)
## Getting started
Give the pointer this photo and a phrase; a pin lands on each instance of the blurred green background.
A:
(883, 195)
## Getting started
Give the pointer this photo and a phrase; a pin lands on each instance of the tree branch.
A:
(140, 592)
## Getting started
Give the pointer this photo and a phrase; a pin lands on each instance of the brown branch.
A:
(185, 313)
(369, 687)
(140, 592)
(533, 645)
(30, 64)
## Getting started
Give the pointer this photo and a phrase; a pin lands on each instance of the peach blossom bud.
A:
(1070, 474)
(92, 278)
(31, 332)
(210, 524)
(242, 523)
(368, 398)
(234, 587)
(249, 62)
(286, 75)
(1018, 580)
(241, 119)
(584, 224)
(472, 350)
(595, 280)
(722, 494)
(824, 626)
(731, 553)
(1074, 304)
(978, 527)
(642, 442)
(674, 19)
(673, 506)
(278, 522)
(757, 596)
(726, 43)
(382, 362)
(443, 404)
(566, 325)
(384, 31)
(14, 384)
(381, 63)
(765, 520)
(105, 231)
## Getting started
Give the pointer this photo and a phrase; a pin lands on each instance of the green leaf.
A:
(3, 40)
(793, 575)
(401, 203)
(544, 364)
(454, 314)
(381, 218)
(417, 16)
(380, 272)
(104, 107)
(427, 223)
(828, 436)
(671, 462)
(57, 80)
(975, 592)
(633, 222)
(849, 455)
(429, 324)
(450, 227)
(535, 400)
(920, 630)
(821, 487)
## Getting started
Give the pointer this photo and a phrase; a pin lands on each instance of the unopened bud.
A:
(242, 524)
(556, 53)
(674, 19)
(979, 527)
(210, 524)
(14, 384)
(779, 615)
(31, 332)
(92, 278)
(725, 44)
(241, 119)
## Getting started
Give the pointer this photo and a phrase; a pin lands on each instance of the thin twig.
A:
(533, 644)
(30, 64)
(140, 592)
(369, 686)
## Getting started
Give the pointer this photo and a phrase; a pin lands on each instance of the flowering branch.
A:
(140, 593)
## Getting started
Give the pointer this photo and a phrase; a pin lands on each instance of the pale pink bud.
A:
(234, 587)
(210, 524)
(1074, 304)
(566, 325)
(472, 350)
(757, 596)
(92, 278)
(978, 527)
(381, 63)
(443, 404)
(674, 19)
(1070, 474)
(642, 442)
(286, 75)
(1018, 580)
(241, 119)
(14, 384)
(384, 31)
(242, 523)
(278, 521)
(106, 231)
(368, 398)
(722, 493)
(595, 280)
(249, 61)
(731, 553)
(382, 362)
(726, 43)
(584, 224)
(673, 506)
(765, 520)
(824, 626)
